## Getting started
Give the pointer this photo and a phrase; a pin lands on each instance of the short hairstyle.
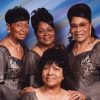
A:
(41, 14)
(16, 14)
(79, 10)
(57, 55)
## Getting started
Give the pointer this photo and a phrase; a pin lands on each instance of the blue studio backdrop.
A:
(58, 8)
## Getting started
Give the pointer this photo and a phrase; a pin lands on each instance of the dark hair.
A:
(81, 10)
(16, 14)
(57, 55)
(41, 14)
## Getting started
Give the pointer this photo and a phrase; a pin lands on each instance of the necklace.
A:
(57, 96)
(16, 46)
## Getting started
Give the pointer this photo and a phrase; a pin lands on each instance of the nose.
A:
(23, 28)
(45, 32)
(50, 71)
(78, 28)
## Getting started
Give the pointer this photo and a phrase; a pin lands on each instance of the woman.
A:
(12, 51)
(51, 71)
(42, 23)
(83, 51)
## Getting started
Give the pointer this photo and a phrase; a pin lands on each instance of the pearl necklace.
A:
(16, 46)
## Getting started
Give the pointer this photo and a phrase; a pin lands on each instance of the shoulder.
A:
(96, 44)
(32, 53)
(3, 49)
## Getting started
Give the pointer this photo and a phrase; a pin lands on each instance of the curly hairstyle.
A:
(57, 55)
(41, 14)
(16, 14)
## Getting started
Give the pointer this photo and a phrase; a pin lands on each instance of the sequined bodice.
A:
(85, 68)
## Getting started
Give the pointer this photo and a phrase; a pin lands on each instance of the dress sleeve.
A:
(29, 96)
(95, 55)
(2, 65)
(29, 68)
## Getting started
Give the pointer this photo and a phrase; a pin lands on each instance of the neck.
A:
(55, 91)
(14, 43)
(43, 47)
(85, 43)
(12, 39)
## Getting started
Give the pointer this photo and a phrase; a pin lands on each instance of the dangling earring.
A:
(70, 37)
(8, 31)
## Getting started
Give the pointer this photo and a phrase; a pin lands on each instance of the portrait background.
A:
(58, 8)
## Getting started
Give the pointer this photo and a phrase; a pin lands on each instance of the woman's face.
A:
(18, 30)
(52, 75)
(80, 29)
(45, 34)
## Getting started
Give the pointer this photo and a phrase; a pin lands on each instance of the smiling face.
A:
(45, 34)
(18, 30)
(52, 75)
(80, 29)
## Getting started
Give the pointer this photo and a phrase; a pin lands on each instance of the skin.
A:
(17, 32)
(45, 34)
(45, 38)
(80, 29)
(80, 34)
(52, 76)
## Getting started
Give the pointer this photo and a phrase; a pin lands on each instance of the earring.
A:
(8, 31)
(70, 37)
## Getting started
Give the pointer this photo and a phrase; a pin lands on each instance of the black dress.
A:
(10, 73)
(84, 69)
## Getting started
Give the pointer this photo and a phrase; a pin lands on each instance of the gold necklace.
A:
(50, 95)
(16, 46)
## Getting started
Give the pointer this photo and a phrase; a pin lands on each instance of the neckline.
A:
(9, 53)
(86, 51)
(50, 95)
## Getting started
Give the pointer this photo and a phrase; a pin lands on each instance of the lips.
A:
(50, 79)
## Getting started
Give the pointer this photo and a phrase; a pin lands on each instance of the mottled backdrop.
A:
(58, 8)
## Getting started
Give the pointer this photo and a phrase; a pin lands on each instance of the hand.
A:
(27, 90)
(76, 95)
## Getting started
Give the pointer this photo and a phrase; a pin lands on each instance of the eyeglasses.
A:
(81, 25)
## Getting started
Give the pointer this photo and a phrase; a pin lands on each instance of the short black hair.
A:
(57, 55)
(16, 14)
(41, 14)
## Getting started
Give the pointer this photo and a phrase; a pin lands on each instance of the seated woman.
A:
(51, 72)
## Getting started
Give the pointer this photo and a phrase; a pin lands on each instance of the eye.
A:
(49, 30)
(40, 31)
(73, 26)
(57, 69)
(45, 67)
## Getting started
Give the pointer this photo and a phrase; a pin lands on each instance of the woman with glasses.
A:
(83, 52)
